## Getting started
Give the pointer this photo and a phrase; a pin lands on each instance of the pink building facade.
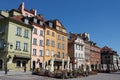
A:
(37, 22)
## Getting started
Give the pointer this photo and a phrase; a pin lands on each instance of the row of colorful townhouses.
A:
(28, 40)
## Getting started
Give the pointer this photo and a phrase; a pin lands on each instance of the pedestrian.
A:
(24, 68)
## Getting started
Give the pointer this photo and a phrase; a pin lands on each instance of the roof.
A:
(19, 19)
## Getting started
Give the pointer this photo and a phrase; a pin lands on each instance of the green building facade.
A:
(15, 43)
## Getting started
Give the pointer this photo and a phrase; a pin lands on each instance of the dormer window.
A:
(41, 23)
(50, 24)
(26, 21)
(35, 20)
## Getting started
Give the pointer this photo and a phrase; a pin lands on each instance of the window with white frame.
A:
(34, 41)
(41, 43)
(41, 52)
(35, 30)
(63, 47)
(53, 43)
(58, 37)
(58, 45)
(47, 42)
(25, 46)
(63, 55)
(17, 45)
(26, 21)
(34, 51)
(63, 38)
(79, 55)
(35, 20)
(41, 33)
(18, 31)
(26, 33)
(50, 24)
(81, 48)
(41, 23)
(53, 34)
(47, 53)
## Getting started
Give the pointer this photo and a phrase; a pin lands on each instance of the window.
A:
(34, 30)
(58, 54)
(58, 37)
(41, 33)
(26, 33)
(75, 54)
(1, 43)
(53, 34)
(63, 55)
(81, 48)
(18, 63)
(48, 42)
(41, 23)
(41, 43)
(41, 52)
(62, 46)
(25, 46)
(2, 28)
(50, 24)
(18, 31)
(58, 45)
(35, 20)
(53, 43)
(48, 32)
(63, 38)
(26, 21)
(79, 55)
(35, 41)
(34, 51)
(47, 53)
(17, 45)
(52, 53)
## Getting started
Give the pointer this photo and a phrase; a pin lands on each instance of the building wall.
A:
(87, 54)
(79, 52)
(12, 38)
(37, 57)
(95, 57)
(50, 47)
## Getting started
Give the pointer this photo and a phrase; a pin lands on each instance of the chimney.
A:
(21, 7)
(34, 11)
(71, 35)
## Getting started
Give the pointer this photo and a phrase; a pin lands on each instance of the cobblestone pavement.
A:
(100, 76)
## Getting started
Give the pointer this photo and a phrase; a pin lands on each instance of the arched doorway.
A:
(1, 63)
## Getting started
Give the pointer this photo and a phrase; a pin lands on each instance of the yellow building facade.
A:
(56, 40)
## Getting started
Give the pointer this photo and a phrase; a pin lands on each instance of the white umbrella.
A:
(52, 64)
(68, 63)
(62, 64)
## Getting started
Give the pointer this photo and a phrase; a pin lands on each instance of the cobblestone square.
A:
(99, 76)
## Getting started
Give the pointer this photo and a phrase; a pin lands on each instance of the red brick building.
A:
(95, 57)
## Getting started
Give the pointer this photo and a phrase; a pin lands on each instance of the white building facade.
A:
(79, 53)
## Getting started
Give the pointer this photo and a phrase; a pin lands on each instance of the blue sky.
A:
(100, 18)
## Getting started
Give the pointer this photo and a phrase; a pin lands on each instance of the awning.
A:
(22, 57)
